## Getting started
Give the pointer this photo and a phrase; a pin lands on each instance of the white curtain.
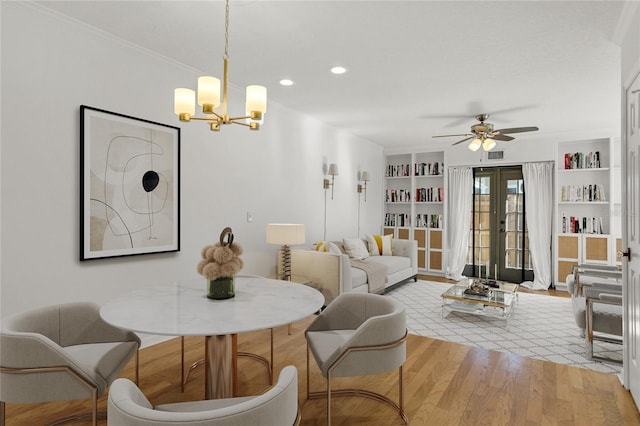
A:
(459, 199)
(538, 188)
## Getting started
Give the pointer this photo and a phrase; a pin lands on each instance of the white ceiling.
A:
(416, 68)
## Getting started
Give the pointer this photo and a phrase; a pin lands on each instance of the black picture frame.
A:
(129, 185)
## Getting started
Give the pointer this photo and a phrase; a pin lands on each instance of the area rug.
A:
(540, 327)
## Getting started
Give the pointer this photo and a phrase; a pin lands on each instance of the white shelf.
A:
(418, 212)
(593, 169)
(584, 202)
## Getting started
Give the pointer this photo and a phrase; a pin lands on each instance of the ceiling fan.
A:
(484, 135)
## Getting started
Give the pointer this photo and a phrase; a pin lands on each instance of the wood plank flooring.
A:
(445, 384)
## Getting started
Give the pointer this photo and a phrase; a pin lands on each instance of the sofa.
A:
(334, 273)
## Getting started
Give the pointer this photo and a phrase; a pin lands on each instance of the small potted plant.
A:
(219, 265)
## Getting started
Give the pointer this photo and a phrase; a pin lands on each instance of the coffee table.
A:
(497, 303)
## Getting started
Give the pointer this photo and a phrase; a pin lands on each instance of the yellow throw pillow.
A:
(322, 246)
(328, 247)
(379, 245)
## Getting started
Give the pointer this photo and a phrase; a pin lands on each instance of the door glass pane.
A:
(516, 236)
(479, 239)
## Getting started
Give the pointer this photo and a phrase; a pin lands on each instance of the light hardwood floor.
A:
(445, 384)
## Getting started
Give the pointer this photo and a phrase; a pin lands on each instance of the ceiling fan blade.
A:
(446, 136)
(500, 137)
(464, 140)
(517, 130)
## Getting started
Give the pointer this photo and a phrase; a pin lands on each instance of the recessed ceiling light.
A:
(338, 70)
(286, 82)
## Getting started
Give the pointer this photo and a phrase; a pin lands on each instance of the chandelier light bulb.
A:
(475, 144)
(184, 101)
(256, 100)
(208, 91)
(488, 144)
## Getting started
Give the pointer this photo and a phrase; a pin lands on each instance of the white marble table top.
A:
(183, 309)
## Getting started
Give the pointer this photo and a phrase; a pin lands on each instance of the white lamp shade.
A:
(365, 176)
(285, 233)
(488, 144)
(333, 170)
(256, 99)
(184, 101)
(475, 144)
(208, 91)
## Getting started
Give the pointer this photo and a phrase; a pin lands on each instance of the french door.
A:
(499, 242)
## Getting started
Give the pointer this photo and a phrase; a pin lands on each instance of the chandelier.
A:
(209, 97)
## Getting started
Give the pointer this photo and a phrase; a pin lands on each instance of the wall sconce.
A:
(362, 188)
(333, 171)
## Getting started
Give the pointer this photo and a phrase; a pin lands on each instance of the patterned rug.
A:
(540, 327)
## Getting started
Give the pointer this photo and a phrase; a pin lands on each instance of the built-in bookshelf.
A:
(414, 204)
(585, 227)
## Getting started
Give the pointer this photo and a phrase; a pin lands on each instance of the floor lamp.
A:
(285, 234)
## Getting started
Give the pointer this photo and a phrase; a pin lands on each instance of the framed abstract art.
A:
(129, 185)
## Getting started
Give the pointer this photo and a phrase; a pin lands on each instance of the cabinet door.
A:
(403, 233)
(596, 249)
(435, 250)
(420, 235)
(568, 249)
(388, 231)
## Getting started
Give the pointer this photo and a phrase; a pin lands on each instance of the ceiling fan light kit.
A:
(483, 134)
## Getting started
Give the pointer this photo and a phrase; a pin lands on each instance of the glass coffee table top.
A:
(495, 302)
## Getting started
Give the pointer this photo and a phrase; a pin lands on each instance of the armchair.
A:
(59, 353)
(358, 334)
(277, 407)
(596, 293)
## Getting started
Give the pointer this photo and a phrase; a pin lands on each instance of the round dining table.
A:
(182, 309)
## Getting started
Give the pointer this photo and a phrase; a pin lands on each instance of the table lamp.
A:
(285, 234)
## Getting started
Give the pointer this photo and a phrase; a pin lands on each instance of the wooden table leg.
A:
(220, 366)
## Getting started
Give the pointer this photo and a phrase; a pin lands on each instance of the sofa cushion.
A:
(379, 245)
(355, 248)
(393, 263)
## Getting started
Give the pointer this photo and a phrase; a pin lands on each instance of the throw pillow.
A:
(333, 248)
(328, 247)
(355, 248)
(322, 246)
(379, 244)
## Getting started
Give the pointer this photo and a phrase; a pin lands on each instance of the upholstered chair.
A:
(358, 334)
(61, 352)
(277, 407)
(597, 309)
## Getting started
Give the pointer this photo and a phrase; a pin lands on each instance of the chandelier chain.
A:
(226, 31)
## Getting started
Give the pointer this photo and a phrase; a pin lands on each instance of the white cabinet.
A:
(414, 204)
(573, 249)
(586, 218)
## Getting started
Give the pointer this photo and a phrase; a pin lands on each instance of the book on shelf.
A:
(579, 193)
(398, 170)
(579, 160)
(397, 219)
(424, 195)
(428, 169)
(428, 221)
(581, 225)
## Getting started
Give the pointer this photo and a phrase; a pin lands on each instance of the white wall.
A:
(50, 66)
